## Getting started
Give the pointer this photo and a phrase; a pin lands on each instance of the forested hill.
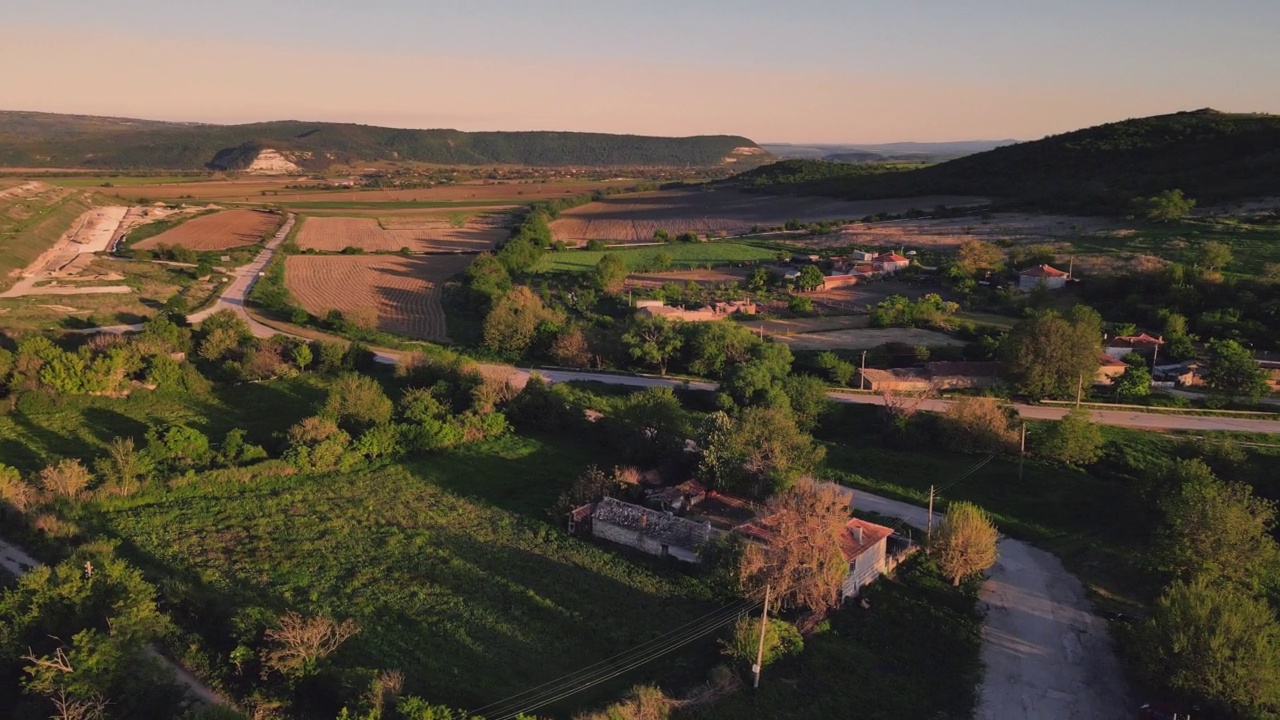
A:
(1211, 156)
(77, 141)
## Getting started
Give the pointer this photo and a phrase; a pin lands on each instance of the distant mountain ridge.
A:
(884, 152)
(29, 139)
(1210, 155)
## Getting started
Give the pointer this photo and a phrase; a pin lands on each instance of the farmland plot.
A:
(219, 231)
(403, 291)
(419, 234)
(635, 217)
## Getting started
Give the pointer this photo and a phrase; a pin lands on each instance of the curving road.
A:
(1047, 656)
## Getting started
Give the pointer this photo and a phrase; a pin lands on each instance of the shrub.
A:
(977, 424)
(67, 478)
(780, 640)
(1074, 440)
(964, 543)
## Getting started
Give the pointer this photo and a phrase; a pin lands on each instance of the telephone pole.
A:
(764, 623)
(929, 528)
(862, 374)
(1022, 451)
(1079, 390)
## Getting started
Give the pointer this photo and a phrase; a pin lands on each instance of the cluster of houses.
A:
(681, 521)
(858, 266)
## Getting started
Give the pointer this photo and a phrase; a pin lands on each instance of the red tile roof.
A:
(1108, 361)
(891, 257)
(1135, 341)
(872, 533)
(1043, 271)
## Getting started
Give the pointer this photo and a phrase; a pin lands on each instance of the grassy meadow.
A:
(29, 227)
(682, 255)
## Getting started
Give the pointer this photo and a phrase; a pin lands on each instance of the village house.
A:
(864, 546)
(1051, 277)
(1145, 345)
(861, 256)
(1109, 369)
(1188, 373)
(655, 532)
(890, 263)
(714, 311)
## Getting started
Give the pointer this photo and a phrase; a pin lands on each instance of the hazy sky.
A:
(773, 70)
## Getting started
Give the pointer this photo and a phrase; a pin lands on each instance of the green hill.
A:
(78, 141)
(1212, 156)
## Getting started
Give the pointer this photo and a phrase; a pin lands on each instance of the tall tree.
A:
(978, 424)
(512, 324)
(964, 543)
(1047, 355)
(1073, 440)
(1219, 531)
(975, 256)
(1215, 255)
(810, 278)
(1168, 206)
(757, 453)
(1232, 370)
(611, 272)
(801, 561)
(1217, 644)
(653, 341)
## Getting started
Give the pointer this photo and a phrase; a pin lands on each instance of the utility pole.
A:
(1079, 390)
(764, 623)
(929, 528)
(862, 374)
(1022, 451)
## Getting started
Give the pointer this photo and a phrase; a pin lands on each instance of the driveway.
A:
(1047, 656)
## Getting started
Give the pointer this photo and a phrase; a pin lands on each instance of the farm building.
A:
(896, 379)
(861, 256)
(651, 531)
(1183, 374)
(890, 263)
(714, 311)
(1031, 278)
(1109, 369)
(864, 546)
(1145, 345)
(841, 280)
(678, 498)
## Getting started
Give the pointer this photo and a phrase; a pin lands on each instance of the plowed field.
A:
(635, 217)
(219, 231)
(405, 291)
(419, 234)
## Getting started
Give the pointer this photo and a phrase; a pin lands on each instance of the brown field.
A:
(273, 190)
(635, 217)
(404, 291)
(948, 233)
(219, 231)
(419, 233)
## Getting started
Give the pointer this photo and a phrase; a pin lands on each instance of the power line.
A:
(715, 617)
(545, 700)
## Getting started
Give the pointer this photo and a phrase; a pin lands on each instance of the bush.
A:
(977, 424)
(780, 640)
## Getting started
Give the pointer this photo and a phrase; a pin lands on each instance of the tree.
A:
(780, 640)
(611, 272)
(758, 453)
(519, 255)
(976, 256)
(653, 341)
(712, 347)
(1215, 255)
(124, 465)
(512, 324)
(1047, 355)
(810, 278)
(1168, 206)
(1214, 643)
(570, 347)
(801, 562)
(66, 478)
(647, 427)
(977, 424)
(300, 643)
(1218, 531)
(1136, 381)
(302, 355)
(800, 305)
(316, 444)
(1073, 440)
(487, 279)
(179, 448)
(964, 543)
(838, 371)
(808, 400)
(358, 401)
(1232, 370)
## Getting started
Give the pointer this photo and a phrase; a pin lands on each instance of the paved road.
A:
(237, 291)
(1047, 656)
(18, 562)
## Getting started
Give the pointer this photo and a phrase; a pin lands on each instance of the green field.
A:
(682, 255)
(1252, 244)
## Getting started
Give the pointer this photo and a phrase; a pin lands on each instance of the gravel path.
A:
(1047, 656)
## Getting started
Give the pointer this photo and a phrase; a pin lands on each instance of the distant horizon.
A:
(822, 70)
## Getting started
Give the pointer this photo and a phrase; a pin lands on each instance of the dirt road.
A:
(1047, 656)
(15, 560)
(233, 298)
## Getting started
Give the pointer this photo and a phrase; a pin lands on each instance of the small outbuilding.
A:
(651, 531)
(1051, 277)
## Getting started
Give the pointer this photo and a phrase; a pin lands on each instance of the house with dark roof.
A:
(1051, 277)
(1145, 345)
(651, 531)
(864, 546)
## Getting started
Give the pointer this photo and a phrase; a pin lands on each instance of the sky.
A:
(857, 71)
